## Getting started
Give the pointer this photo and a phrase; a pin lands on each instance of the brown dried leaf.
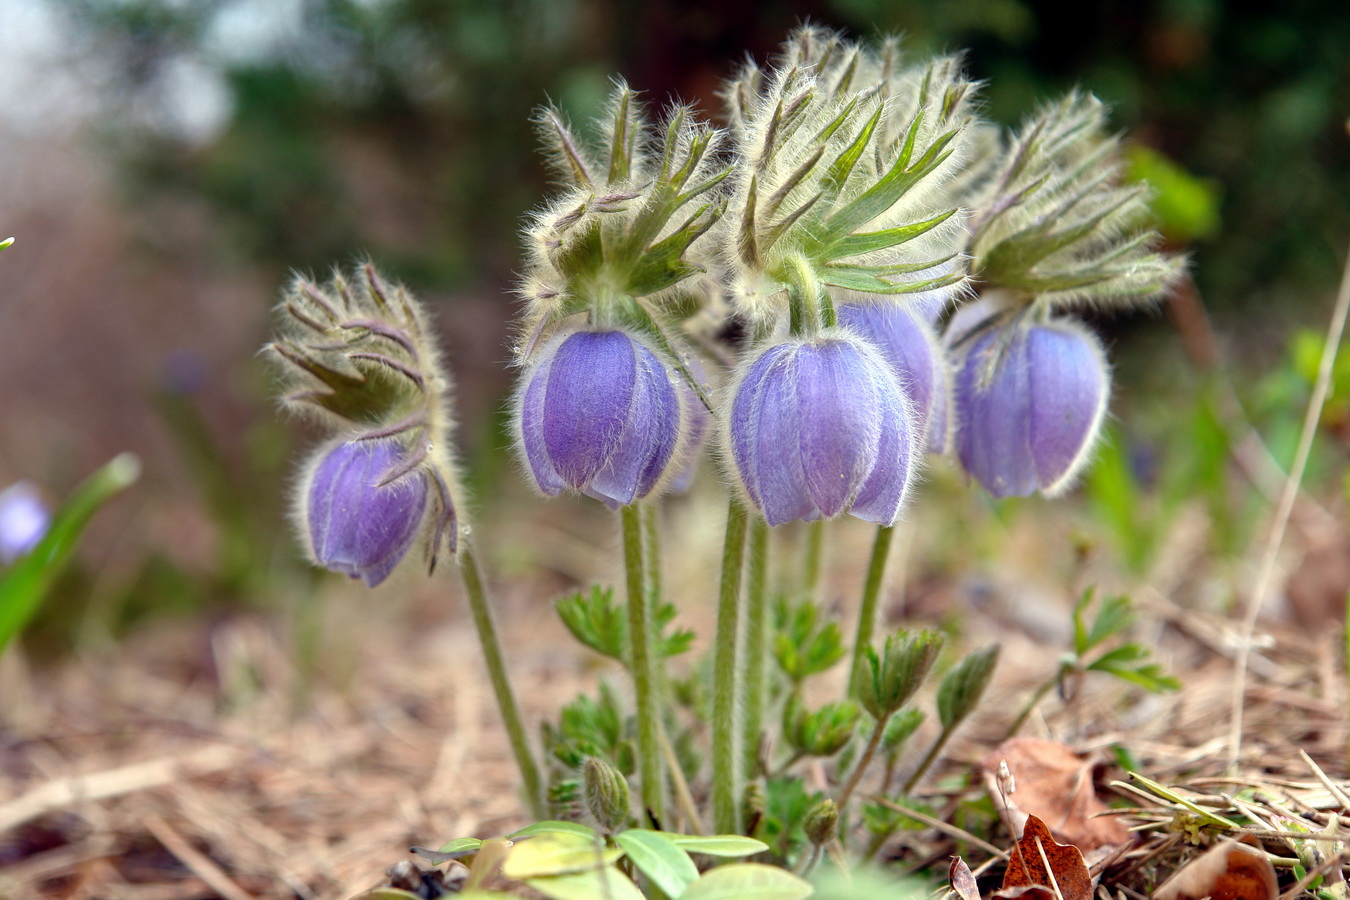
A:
(962, 880)
(1038, 860)
(1230, 870)
(1054, 784)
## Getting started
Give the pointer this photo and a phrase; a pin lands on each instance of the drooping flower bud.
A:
(821, 427)
(1030, 402)
(909, 344)
(24, 519)
(598, 413)
(362, 510)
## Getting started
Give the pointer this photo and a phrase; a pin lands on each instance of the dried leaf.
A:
(962, 880)
(1055, 785)
(1230, 870)
(1038, 860)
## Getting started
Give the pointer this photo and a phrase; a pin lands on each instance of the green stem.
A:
(928, 760)
(867, 612)
(756, 640)
(501, 686)
(868, 752)
(726, 764)
(812, 556)
(643, 668)
(1031, 705)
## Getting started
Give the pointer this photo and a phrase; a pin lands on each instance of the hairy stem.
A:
(811, 558)
(531, 783)
(756, 634)
(868, 752)
(867, 611)
(643, 668)
(726, 764)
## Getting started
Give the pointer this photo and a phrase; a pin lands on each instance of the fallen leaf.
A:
(1230, 870)
(1054, 784)
(1039, 861)
(962, 880)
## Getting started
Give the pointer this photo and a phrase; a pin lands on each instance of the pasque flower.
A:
(1030, 399)
(819, 427)
(599, 412)
(360, 514)
(24, 520)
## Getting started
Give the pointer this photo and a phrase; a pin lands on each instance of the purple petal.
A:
(837, 405)
(993, 418)
(356, 528)
(763, 434)
(24, 520)
(911, 348)
(530, 422)
(1068, 389)
(884, 492)
(588, 402)
(649, 439)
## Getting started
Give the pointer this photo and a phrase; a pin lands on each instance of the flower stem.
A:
(867, 611)
(726, 764)
(643, 669)
(868, 752)
(928, 760)
(756, 634)
(531, 783)
(811, 559)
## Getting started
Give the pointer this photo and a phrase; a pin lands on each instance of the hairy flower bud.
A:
(24, 519)
(1030, 403)
(607, 795)
(821, 427)
(909, 344)
(360, 514)
(598, 413)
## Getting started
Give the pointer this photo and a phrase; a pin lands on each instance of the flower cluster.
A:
(358, 356)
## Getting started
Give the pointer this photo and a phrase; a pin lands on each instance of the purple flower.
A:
(598, 413)
(24, 520)
(1028, 418)
(356, 526)
(908, 343)
(820, 427)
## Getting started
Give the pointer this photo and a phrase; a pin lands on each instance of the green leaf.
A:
(659, 858)
(607, 883)
(872, 241)
(557, 853)
(748, 881)
(720, 845)
(451, 850)
(23, 587)
(551, 826)
(596, 620)
(7, 242)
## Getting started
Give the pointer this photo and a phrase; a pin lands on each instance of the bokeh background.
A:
(165, 165)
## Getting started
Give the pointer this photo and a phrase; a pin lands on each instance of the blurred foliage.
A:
(400, 127)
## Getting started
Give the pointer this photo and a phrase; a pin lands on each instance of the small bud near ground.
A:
(357, 524)
(822, 427)
(821, 821)
(607, 795)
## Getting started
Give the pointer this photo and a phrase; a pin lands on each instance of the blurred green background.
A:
(165, 165)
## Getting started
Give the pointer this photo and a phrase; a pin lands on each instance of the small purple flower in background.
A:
(1027, 419)
(821, 427)
(354, 524)
(24, 520)
(599, 413)
(909, 344)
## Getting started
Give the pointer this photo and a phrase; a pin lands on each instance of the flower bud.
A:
(359, 520)
(890, 678)
(607, 795)
(598, 413)
(821, 427)
(24, 519)
(908, 343)
(821, 821)
(1030, 403)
